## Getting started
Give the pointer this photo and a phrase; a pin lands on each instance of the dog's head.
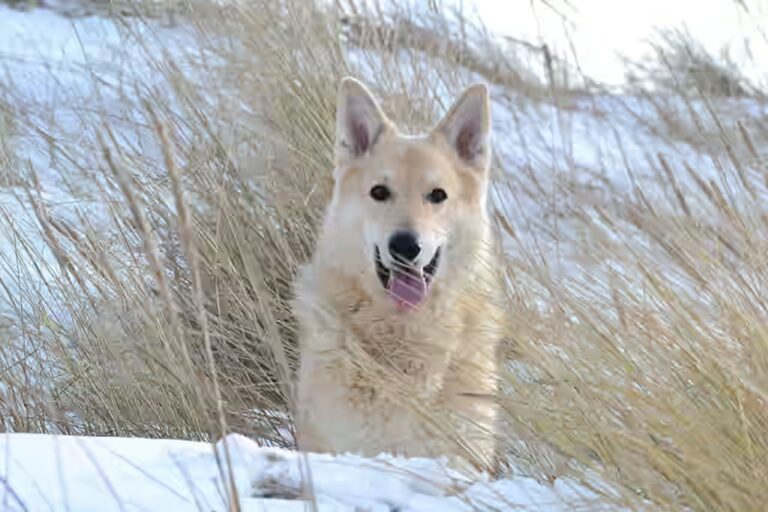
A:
(414, 202)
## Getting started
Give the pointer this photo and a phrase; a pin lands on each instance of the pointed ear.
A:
(359, 120)
(467, 127)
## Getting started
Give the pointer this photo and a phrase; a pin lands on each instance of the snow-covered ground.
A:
(97, 474)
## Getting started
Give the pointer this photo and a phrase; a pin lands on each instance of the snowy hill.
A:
(98, 474)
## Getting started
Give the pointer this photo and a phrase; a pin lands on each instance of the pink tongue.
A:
(407, 290)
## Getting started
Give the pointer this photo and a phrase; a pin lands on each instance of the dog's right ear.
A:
(359, 120)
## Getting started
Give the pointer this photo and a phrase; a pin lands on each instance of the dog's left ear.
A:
(467, 127)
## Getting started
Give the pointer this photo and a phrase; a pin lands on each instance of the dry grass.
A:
(692, 90)
(149, 258)
(680, 64)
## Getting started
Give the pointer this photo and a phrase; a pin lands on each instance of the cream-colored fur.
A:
(374, 377)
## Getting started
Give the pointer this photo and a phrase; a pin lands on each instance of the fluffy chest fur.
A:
(387, 349)
(374, 380)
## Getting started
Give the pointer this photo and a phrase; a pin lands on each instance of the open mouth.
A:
(407, 285)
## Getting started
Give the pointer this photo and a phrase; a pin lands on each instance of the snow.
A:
(83, 474)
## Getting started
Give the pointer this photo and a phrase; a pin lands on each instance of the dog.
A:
(398, 310)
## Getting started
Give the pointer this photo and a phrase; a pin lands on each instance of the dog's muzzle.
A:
(407, 284)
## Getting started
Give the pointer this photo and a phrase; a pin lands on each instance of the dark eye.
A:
(380, 193)
(437, 196)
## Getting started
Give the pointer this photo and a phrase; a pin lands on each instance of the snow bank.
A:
(84, 474)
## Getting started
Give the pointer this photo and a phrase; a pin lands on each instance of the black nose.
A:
(404, 246)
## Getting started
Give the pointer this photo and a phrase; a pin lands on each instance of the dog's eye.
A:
(380, 193)
(437, 196)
